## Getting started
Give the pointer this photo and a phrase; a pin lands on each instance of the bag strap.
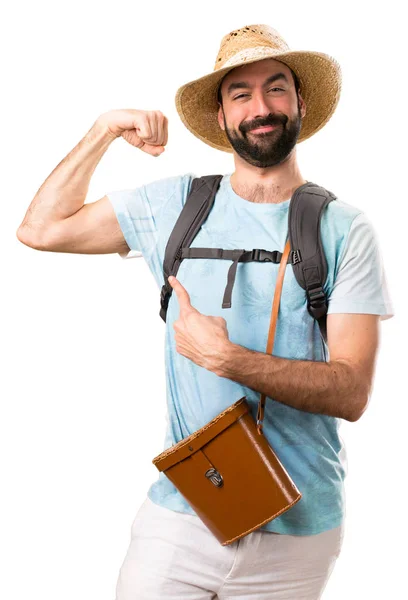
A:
(305, 212)
(308, 257)
(272, 326)
(196, 209)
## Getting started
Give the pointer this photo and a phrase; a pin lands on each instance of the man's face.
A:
(251, 101)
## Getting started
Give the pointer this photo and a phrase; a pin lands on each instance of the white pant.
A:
(174, 556)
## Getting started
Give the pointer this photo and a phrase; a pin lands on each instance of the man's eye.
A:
(242, 95)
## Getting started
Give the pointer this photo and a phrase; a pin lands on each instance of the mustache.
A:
(269, 120)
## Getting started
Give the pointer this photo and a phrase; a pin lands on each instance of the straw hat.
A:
(319, 77)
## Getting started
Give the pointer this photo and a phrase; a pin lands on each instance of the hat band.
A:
(257, 52)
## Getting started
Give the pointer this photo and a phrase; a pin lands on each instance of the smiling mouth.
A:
(263, 129)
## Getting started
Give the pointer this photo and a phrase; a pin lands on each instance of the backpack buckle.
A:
(296, 257)
(164, 297)
(261, 255)
(315, 295)
(317, 302)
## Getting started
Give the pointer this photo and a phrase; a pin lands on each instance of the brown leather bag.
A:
(226, 470)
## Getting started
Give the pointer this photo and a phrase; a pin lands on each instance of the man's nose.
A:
(260, 106)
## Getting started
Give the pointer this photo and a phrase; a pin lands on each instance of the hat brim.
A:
(320, 85)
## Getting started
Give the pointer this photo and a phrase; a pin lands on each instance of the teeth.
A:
(263, 127)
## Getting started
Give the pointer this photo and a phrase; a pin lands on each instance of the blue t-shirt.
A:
(308, 444)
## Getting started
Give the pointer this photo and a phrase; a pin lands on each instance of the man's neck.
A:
(270, 185)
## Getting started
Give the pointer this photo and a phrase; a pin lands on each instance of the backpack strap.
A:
(193, 214)
(198, 205)
(307, 257)
(305, 213)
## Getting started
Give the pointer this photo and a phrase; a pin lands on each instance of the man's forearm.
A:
(64, 192)
(331, 388)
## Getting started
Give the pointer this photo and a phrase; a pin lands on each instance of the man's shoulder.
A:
(339, 216)
(172, 184)
(338, 222)
(172, 190)
(340, 208)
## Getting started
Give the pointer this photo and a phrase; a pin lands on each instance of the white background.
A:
(83, 395)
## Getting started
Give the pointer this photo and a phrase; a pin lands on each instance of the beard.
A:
(269, 148)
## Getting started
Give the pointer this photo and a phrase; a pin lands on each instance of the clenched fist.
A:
(144, 129)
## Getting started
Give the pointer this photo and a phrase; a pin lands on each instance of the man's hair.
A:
(295, 79)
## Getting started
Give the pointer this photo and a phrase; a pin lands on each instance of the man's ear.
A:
(220, 117)
(302, 106)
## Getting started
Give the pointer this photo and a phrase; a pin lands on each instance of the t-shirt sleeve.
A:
(138, 212)
(135, 216)
(361, 285)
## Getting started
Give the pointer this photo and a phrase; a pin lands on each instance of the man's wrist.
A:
(227, 358)
(101, 130)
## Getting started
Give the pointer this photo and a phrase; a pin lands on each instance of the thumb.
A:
(152, 149)
(182, 294)
(132, 138)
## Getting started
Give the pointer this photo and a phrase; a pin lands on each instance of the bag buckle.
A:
(261, 255)
(296, 257)
(215, 477)
(316, 295)
(164, 297)
(317, 307)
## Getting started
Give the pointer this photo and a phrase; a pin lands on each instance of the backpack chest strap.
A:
(237, 255)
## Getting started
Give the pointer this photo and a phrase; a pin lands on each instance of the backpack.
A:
(306, 256)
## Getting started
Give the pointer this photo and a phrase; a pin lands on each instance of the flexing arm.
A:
(57, 218)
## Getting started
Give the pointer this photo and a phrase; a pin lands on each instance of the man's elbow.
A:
(358, 408)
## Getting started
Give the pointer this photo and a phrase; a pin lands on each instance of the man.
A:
(259, 102)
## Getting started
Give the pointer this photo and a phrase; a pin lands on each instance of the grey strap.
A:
(236, 255)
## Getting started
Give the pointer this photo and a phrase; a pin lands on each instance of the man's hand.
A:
(144, 129)
(201, 338)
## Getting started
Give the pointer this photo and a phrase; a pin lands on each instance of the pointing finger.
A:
(182, 294)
